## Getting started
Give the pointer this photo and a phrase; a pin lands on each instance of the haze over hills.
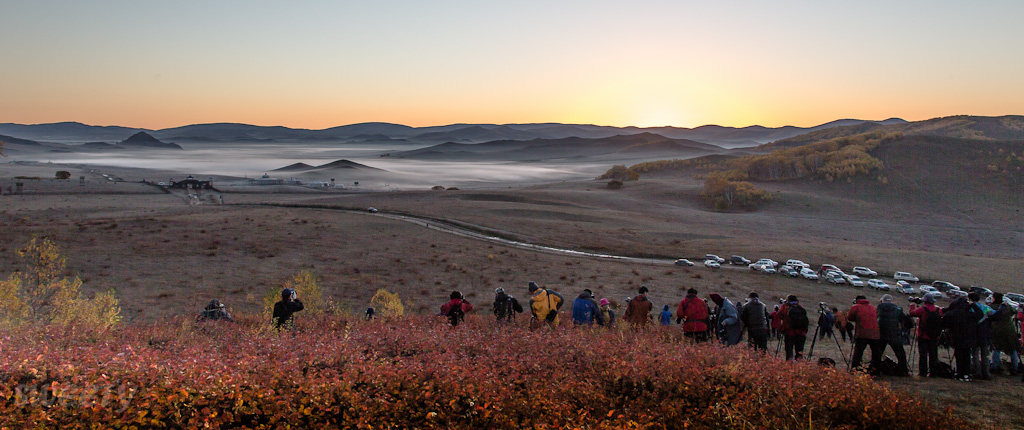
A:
(633, 145)
(727, 137)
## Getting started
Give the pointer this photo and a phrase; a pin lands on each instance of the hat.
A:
(499, 290)
(533, 286)
(791, 298)
(587, 290)
(691, 291)
(752, 295)
(455, 295)
(886, 299)
(604, 302)
(717, 298)
(928, 298)
(861, 298)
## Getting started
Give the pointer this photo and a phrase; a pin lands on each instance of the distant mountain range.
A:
(138, 141)
(726, 137)
(621, 146)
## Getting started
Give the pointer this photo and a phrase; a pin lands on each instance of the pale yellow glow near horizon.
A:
(322, 64)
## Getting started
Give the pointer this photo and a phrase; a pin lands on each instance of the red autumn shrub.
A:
(419, 372)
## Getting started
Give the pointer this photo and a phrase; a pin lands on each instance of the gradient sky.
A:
(318, 64)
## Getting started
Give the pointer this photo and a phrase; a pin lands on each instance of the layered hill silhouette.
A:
(643, 144)
(334, 165)
(727, 137)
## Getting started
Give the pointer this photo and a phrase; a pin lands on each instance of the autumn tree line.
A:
(727, 180)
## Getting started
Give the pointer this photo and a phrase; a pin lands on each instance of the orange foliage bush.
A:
(419, 372)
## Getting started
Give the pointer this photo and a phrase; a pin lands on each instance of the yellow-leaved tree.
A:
(42, 295)
(387, 304)
(307, 289)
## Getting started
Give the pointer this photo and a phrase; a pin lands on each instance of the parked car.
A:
(684, 262)
(864, 271)
(789, 271)
(854, 280)
(712, 264)
(1011, 303)
(954, 292)
(372, 210)
(763, 268)
(1016, 297)
(985, 292)
(835, 278)
(878, 285)
(809, 274)
(714, 257)
(905, 287)
(738, 259)
(825, 268)
(797, 263)
(943, 286)
(905, 276)
(927, 289)
(768, 261)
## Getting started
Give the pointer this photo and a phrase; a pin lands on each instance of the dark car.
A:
(984, 292)
(737, 259)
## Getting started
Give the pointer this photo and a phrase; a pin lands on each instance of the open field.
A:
(166, 258)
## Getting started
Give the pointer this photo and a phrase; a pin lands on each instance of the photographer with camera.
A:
(754, 317)
(285, 308)
(794, 327)
(891, 320)
(826, 320)
(727, 320)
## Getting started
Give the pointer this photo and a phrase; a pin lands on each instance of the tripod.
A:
(817, 330)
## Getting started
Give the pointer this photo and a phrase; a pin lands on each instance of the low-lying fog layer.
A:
(254, 159)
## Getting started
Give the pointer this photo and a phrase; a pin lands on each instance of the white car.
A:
(904, 287)
(797, 263)
(878, 284)
(683, 262)
(768, 261)
(763, 268)
(854, 281)
(712, 264)
(834, 278)
(955, 292)
(714, 257)
(928, 289)
(864, 271)
(905, 276)
(809, 274)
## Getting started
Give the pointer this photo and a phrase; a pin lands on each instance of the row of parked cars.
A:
(834, 275)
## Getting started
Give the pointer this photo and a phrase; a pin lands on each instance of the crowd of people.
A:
(978, 334)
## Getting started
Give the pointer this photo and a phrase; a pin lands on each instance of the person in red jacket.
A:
(456, 308)
(776, 318)
(693, 313)
(794, 327)
(929, 327)
(865, 316)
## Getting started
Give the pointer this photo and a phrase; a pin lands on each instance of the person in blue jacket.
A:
(585, 309)
(666, 316)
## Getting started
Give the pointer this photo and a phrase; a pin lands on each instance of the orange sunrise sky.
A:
(318, 64)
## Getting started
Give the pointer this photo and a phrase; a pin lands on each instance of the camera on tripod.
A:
(823, 307)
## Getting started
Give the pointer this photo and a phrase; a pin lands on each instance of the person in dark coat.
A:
(983, 343)
(286, 308)
(1004, 335)
(505, 307)
(826, 321)
(890, 330)
(638, 311)
(754, 317)
(960, 320)
(727, 320)
(214, 311)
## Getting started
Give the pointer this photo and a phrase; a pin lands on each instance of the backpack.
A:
(931, 324)
(456, 314)
(943, 370)
(797, 317)
(506, 307)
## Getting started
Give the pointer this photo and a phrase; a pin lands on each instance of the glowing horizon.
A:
(317, 65)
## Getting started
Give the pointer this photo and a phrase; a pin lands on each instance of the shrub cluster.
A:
(419, 372)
